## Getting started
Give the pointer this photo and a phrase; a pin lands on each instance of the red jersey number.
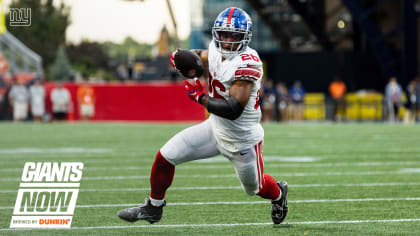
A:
(257, 100)
(246, 57)
(213, 84)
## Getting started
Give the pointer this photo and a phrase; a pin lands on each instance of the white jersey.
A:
(37, 95)
(19, 94)
(246, 131)
(60, 98)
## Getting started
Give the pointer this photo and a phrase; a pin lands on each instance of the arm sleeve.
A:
(230, 108)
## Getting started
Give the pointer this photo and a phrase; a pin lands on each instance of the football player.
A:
(233, 128)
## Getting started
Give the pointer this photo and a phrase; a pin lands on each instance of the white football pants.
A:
(198, 142)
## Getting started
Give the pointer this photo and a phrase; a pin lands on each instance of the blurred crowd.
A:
(396, 97)
(280, 103)
(27, 100)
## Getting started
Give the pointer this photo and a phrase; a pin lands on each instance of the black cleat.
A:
(280, 208)
(146, 212)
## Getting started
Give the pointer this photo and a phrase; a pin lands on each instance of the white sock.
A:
(278, 197)
(156, 202)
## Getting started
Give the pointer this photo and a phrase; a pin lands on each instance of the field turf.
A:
(345, 179)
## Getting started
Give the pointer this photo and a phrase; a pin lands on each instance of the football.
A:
(188, 63)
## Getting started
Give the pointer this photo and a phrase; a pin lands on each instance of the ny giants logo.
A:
(47, 195)
(20, 17)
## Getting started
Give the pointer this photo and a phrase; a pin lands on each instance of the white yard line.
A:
(30, 150)
(229, 225)
(144, 189)
(238, 187)
(267, 165)
(36, 152)
(246, 202)
(216, 176)
(268, 158)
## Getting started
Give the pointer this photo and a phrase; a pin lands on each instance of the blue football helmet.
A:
(235, 23)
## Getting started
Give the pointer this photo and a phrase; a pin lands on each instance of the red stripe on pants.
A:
(258, 168)
(268, 189)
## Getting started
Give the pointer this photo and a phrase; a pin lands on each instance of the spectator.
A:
(410, 105)
(86, 100)
(393, 93)
(18, 98)
(4, 79)
(4, 65)
(61, 102)
(297, 96)
(337, 91)
(269, 100)
(37, 94)
(282, 101)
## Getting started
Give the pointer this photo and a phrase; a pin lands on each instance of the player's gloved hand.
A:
(194, 91)
(172, 59)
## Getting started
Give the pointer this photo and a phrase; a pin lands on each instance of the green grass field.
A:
(345, 179)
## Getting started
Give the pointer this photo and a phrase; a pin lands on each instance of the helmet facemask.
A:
(237, 40)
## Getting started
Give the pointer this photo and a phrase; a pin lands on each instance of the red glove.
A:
(194, 91)
(171, 60)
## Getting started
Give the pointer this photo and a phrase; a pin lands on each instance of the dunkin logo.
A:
(47, 195)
